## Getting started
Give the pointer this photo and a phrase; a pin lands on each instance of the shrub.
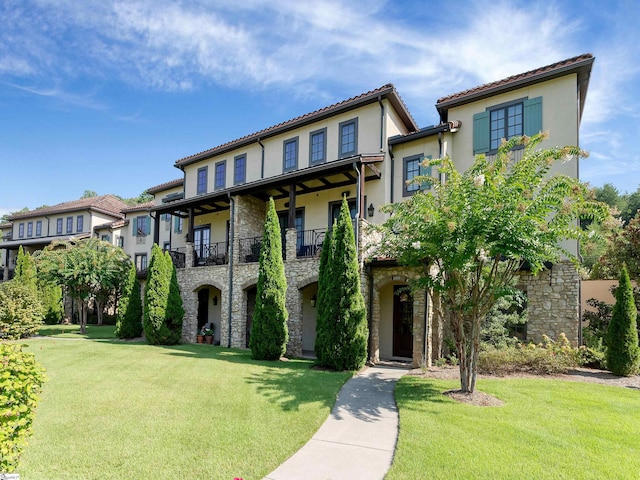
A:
(51, 299)
(623, 353)
(156, 299)
(508, 312)
(547, 358)
(269, 332)
(20, 311)
(129, 316)
(592, 357)
(20, 383)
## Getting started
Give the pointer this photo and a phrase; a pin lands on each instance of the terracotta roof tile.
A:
(387, 89)
(139, 207)
(166, 185)
(515, 79)
(108, 204)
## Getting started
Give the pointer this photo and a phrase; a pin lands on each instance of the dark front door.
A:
(251, 305)
(203, 307)
(402, 323)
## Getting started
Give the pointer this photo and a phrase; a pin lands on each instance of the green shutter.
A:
(134, 226)
(532, 116)
(481, 133)
(148, 225)
(425, 171)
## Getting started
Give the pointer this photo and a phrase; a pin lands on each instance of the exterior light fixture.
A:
(371, 210)
(313, 300)
(215, 300)
(404, 297)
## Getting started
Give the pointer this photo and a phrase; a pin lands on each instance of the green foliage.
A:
(269, 332)
(20, 311)
(469, 238)
(20, 381)
(623, 248)
(25, 272)
(508, 311)
(129, 316)
(325, 304)
(623, 353)
(51, 299)
(595, 332)
(547, 358)
(162, 320)
(344, 343)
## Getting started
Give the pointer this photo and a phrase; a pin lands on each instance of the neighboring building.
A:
(364, 148)
(36, 229)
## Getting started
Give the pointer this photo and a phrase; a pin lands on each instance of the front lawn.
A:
(73, 331)
(114, 410)
(548, 429)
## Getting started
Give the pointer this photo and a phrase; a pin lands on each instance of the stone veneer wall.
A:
(553, 302)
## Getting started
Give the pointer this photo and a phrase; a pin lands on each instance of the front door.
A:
(402, 322)
(251, 305)
(203, 308)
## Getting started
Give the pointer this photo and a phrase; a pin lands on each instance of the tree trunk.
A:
(99, 310)
(437, 325)
(83, 318)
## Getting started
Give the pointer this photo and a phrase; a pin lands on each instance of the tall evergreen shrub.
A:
(347, 314)
(156, 300)
(269, 332)
(129, 316)
(623, 353)
(175, 310)
(325, 304)
(25, 271)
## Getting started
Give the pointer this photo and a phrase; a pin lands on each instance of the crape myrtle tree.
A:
(269, 332)
(623, 353)
(342, 332)
(163, 311)
(83, 268)
(469, 238)
(129, 316)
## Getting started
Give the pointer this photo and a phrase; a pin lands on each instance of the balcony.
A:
(309, 242)
(178, 256)
(212, 254)
(249, 249)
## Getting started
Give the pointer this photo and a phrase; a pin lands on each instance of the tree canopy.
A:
(469, 238)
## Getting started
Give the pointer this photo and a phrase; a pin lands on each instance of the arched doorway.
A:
(251, 305)
(402, 322)
(309, 318)
(209, 310)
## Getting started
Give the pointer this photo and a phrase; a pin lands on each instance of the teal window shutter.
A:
(148, 225)
(532, 116)
(425, 171)
(481, 133)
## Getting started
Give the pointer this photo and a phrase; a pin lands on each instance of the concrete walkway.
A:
(358, 439)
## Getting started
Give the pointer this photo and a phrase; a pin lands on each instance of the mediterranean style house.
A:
(365, 148)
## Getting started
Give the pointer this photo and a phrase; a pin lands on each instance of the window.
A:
(21, 230)
(520, 117)
(221, 174)
(290, 154)
(59, 226)
(69, 224)
(39, 228)
(283, 218)
(79, 223)
(334, 210)
(202, 181)
(143, 226)
(166, 246)
(239, 169)
(177, 224)
(318, 146)
(30, 229)
(141, 262)
(105, 238)
(412, 167)
(348, 142)
(120, 242)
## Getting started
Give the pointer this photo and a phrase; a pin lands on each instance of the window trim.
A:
(79, 223)
(29, 229)
(322, 131)
(349, 153)
(39, 228)
(243, 157)
(21, 230)
(504, 106)
(285, 143)
(141, 256)
(59, 226)
(202, 180)
(223, 177)
(69, 224)
(421, 171)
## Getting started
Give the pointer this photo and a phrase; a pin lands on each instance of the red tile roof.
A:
(139, 207)
(517, 81)
(107, 204)
(386, 91)
(166, 186)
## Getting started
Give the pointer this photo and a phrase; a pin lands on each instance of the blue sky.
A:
(106, 95)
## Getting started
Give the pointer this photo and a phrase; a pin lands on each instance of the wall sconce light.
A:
(346, 193)
(404, 297)
(371, 210)
(313, 300)
(215, 300)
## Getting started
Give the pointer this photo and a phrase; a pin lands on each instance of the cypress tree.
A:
(325, 303)
(156, 299)
(623, 353)
(269, 332)
(25, 271)
(175, 310)
(129, 318)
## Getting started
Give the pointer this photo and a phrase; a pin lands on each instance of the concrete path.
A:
(358, 439)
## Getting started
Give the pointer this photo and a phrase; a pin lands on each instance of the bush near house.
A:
(21, 313)
(129, 316)
(623, 353)
(20, 381)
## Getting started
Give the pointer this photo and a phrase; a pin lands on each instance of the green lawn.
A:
(73, 331)
(114, 410)
(547, 429)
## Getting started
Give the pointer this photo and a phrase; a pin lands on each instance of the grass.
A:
(94, 332)
(548, 429)
(113, 410)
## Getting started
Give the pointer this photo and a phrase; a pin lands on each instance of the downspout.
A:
(262, 161)
(381, 121)
(393, 169)
(231, 237)
(370, 312)
(358, 206)
(48, 224)
(442, 175)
